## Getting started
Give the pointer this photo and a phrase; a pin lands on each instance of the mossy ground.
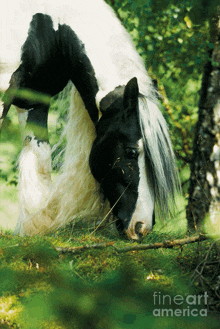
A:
(41, 288)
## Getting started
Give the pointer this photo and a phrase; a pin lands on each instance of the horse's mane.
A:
(159, 156)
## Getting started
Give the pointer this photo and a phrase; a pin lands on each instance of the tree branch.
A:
(165, 244)
(77, 250)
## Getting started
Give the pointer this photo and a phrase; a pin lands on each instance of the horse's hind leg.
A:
(34, 166)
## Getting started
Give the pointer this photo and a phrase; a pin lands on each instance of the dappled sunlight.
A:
(9, 207)
(177, 224)
(8, 151)
(212, 227)
(9, 308)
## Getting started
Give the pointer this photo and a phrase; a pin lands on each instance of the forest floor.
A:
(45, 286)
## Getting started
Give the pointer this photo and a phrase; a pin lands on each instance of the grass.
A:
(41, 288)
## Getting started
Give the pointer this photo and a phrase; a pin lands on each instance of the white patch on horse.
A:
(143, 213)
(34, 178)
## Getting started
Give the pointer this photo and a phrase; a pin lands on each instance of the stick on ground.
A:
(157, 245)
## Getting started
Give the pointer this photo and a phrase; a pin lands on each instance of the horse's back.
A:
(80, 15)
(106, 42)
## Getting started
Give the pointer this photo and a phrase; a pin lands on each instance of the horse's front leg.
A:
(34, 167)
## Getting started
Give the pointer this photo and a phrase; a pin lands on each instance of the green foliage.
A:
(10, 141)
(42, 289)
(7, 282)
(26, 94)
(203, 10)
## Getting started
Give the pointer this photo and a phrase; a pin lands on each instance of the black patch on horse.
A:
(114, 155)
(49, 60)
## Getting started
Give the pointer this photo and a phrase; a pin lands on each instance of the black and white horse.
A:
(118, 158)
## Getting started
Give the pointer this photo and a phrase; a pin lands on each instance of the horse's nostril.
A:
(138, 227)
(137, 231)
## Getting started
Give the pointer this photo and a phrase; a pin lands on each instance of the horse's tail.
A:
(75, 193)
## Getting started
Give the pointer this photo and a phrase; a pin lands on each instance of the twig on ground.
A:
(206, 276)
(166, 244)
(202, 264)
(76, 250)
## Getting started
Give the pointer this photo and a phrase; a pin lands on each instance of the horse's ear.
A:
(131, 92)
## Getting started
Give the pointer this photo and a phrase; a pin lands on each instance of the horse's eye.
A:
(132, 152)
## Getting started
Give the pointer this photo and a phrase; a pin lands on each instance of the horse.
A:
(119, 161)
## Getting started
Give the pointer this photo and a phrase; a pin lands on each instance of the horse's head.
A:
(117, 162)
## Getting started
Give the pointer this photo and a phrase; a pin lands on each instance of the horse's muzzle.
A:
(137, 231)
